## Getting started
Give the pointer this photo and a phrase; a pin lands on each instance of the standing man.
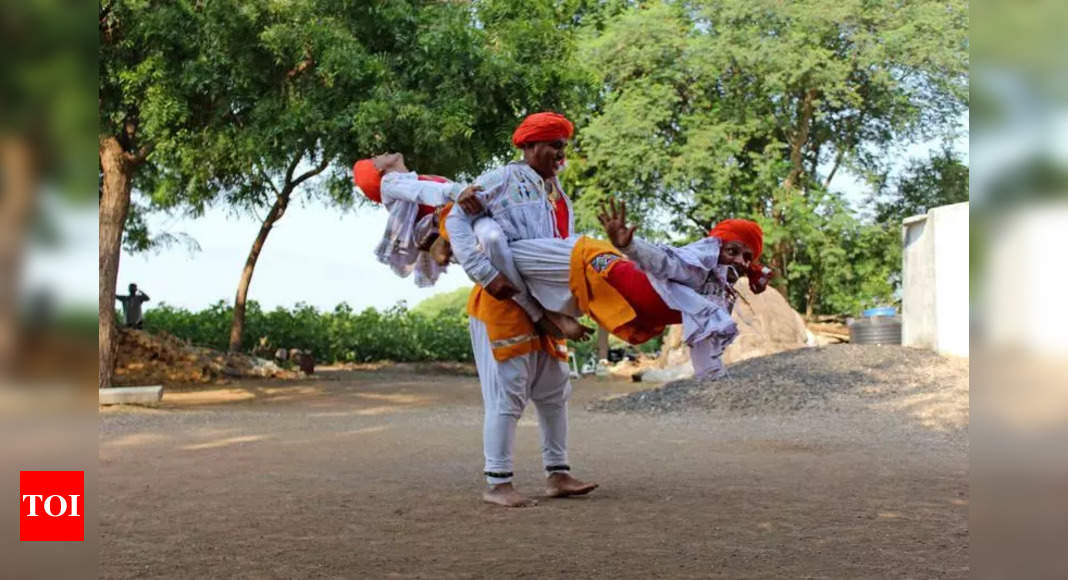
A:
(131, 306)
(516, 363)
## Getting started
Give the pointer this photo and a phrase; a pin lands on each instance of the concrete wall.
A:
(935, 280)
(917, 284)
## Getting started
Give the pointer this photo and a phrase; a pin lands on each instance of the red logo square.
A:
(51, 506)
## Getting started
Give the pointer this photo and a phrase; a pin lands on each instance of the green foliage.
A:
(453, 302)
(585, 349)
(46, 89)
(741, 108)
(341, 335)
(925, 184)
(840, 264)
(78, 322)
(241, 98)
(691, 111)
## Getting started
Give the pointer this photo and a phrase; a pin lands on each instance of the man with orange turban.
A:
(411, 200)
(516, 363)
(635, 289)
(411, 241)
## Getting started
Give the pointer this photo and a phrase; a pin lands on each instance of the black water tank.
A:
(876, 330)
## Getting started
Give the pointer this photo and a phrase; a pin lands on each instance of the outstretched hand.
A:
(468, 200)
(614, 220)
(501, 288)
(759, 276)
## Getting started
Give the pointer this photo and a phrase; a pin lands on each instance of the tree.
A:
(843, 264)
(454, 302)
(721, 108)
(155, 98)
(940, 180)
(307, 87)
(42, 136)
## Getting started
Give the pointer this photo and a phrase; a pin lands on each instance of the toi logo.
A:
(51, 506)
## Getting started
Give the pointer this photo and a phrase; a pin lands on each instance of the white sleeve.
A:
(461, 229)
(408, 187)
(664, 262)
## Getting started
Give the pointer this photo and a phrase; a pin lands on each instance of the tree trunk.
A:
(602, 343)
(118, 169)
(237, 326)
(804, 124)
(797, 145)
(810, 299)
(778, 263)
(18, 172)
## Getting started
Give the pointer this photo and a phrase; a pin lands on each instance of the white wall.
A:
(1025, 279)
(935, 280)
(917, 283)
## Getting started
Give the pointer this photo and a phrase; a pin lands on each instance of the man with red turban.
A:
(636, 289)
(411, 200)
(517, 363)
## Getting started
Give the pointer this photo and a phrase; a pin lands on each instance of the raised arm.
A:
(406, 186)
(664, 262)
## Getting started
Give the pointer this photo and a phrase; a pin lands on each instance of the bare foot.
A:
(506, 495)
(441, 251)
(563, 485)
(568, 326)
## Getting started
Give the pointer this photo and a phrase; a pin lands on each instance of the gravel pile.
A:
(810, 378)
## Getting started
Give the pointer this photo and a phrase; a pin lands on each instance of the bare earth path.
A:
(377, 475)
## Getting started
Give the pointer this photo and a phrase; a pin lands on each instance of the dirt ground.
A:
(376, 473)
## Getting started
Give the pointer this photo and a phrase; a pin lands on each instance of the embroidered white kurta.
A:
(402, 193)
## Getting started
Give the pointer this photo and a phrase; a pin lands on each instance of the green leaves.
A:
(743, 108)
(940, 180)
(342, 335)
(229, 93)
(446, 302)
(692, 112)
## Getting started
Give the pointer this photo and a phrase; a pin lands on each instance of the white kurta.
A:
(517, 207)
(402, 193)
(516, 197)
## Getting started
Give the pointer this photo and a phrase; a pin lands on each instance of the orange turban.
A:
(542, 127)
(745, 231)
(368, 178)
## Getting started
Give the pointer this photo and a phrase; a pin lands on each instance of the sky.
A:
(315, 254)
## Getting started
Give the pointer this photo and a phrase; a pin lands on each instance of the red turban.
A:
(368, 178)
(542, 127)
(745, 231)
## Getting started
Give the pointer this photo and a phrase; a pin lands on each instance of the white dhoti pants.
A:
(507, 387)
(495, 245)
(545, 265)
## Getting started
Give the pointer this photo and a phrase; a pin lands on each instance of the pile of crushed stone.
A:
(817, 378)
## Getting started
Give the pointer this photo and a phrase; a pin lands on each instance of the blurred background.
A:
(1019, 226)
(48, 102)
